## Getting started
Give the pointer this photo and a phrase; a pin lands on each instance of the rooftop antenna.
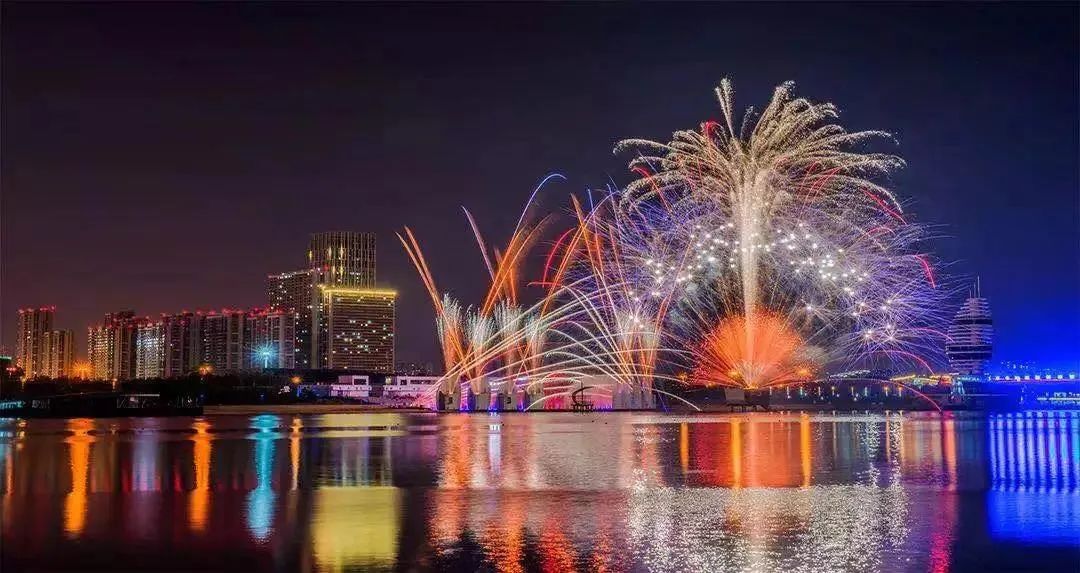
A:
(978, 288)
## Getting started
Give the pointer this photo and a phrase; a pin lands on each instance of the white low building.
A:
(389, 389)
(406, 386)
(353, 386)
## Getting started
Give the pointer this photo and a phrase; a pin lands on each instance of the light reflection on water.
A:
(553, 492)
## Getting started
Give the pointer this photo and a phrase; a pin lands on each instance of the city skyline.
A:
(540, 286)
(202, 225)
(329, 315)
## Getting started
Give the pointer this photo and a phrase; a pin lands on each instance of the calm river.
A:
(543, 492)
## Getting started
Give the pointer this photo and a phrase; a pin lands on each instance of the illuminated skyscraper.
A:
(341, 263)
(99, 350)
(150, 350)
(291, 292)
(271, 336)
(287, 291)
(125, 327)
(34, 326)
(343, 259)
(354, 329)
(111, 346)
(970, 342)
(59, 353)
(223, 340)
(181, 341)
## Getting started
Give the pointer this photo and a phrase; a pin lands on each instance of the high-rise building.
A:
(335, 259)
(181, 343)
(126, 326)
(286, 291)
(223, 340)
(354, 329)
(34, 326)
(99, 350)
(291, 292)
(343, 259)
(331, 299)
(271, 338)
(59, 353)
(111, 346)
(970, 342)
(150, 350)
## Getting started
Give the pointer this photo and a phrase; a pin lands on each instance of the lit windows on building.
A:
(355, 329)
(223, 344)
(181, 343)
(292, 292)
(335, 260)
(150, 350)
(34, 326)
(111, 346)
(59, 353)
(271, 336)
(343, 259)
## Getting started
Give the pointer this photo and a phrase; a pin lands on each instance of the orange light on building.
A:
(81, 370)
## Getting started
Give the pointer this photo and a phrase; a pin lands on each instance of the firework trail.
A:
(588, 325)
(754, 256)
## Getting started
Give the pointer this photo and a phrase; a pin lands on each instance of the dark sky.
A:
(168, 156)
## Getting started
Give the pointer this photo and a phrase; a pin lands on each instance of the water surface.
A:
(543, 492)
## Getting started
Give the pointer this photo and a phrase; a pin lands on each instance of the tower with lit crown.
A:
(970, 341)
(343, 259)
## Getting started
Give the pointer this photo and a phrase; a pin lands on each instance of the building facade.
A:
(386, 390)
(292, 292)
(971, 336)
(181, 338)
(125, 328)
(59, 353)
(343, 259)
(354, 329)
(150, 350)
(271, 334)
(111, 346)
(223, 341)
(411, 387)
(332, 299)
(34, 326)
(99, 351)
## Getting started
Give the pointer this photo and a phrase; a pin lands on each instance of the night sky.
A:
(161, 157)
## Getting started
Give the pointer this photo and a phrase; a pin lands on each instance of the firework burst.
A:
(779, 216)
(753, 255)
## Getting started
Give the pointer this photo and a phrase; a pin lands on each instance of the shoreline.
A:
(250, 409)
